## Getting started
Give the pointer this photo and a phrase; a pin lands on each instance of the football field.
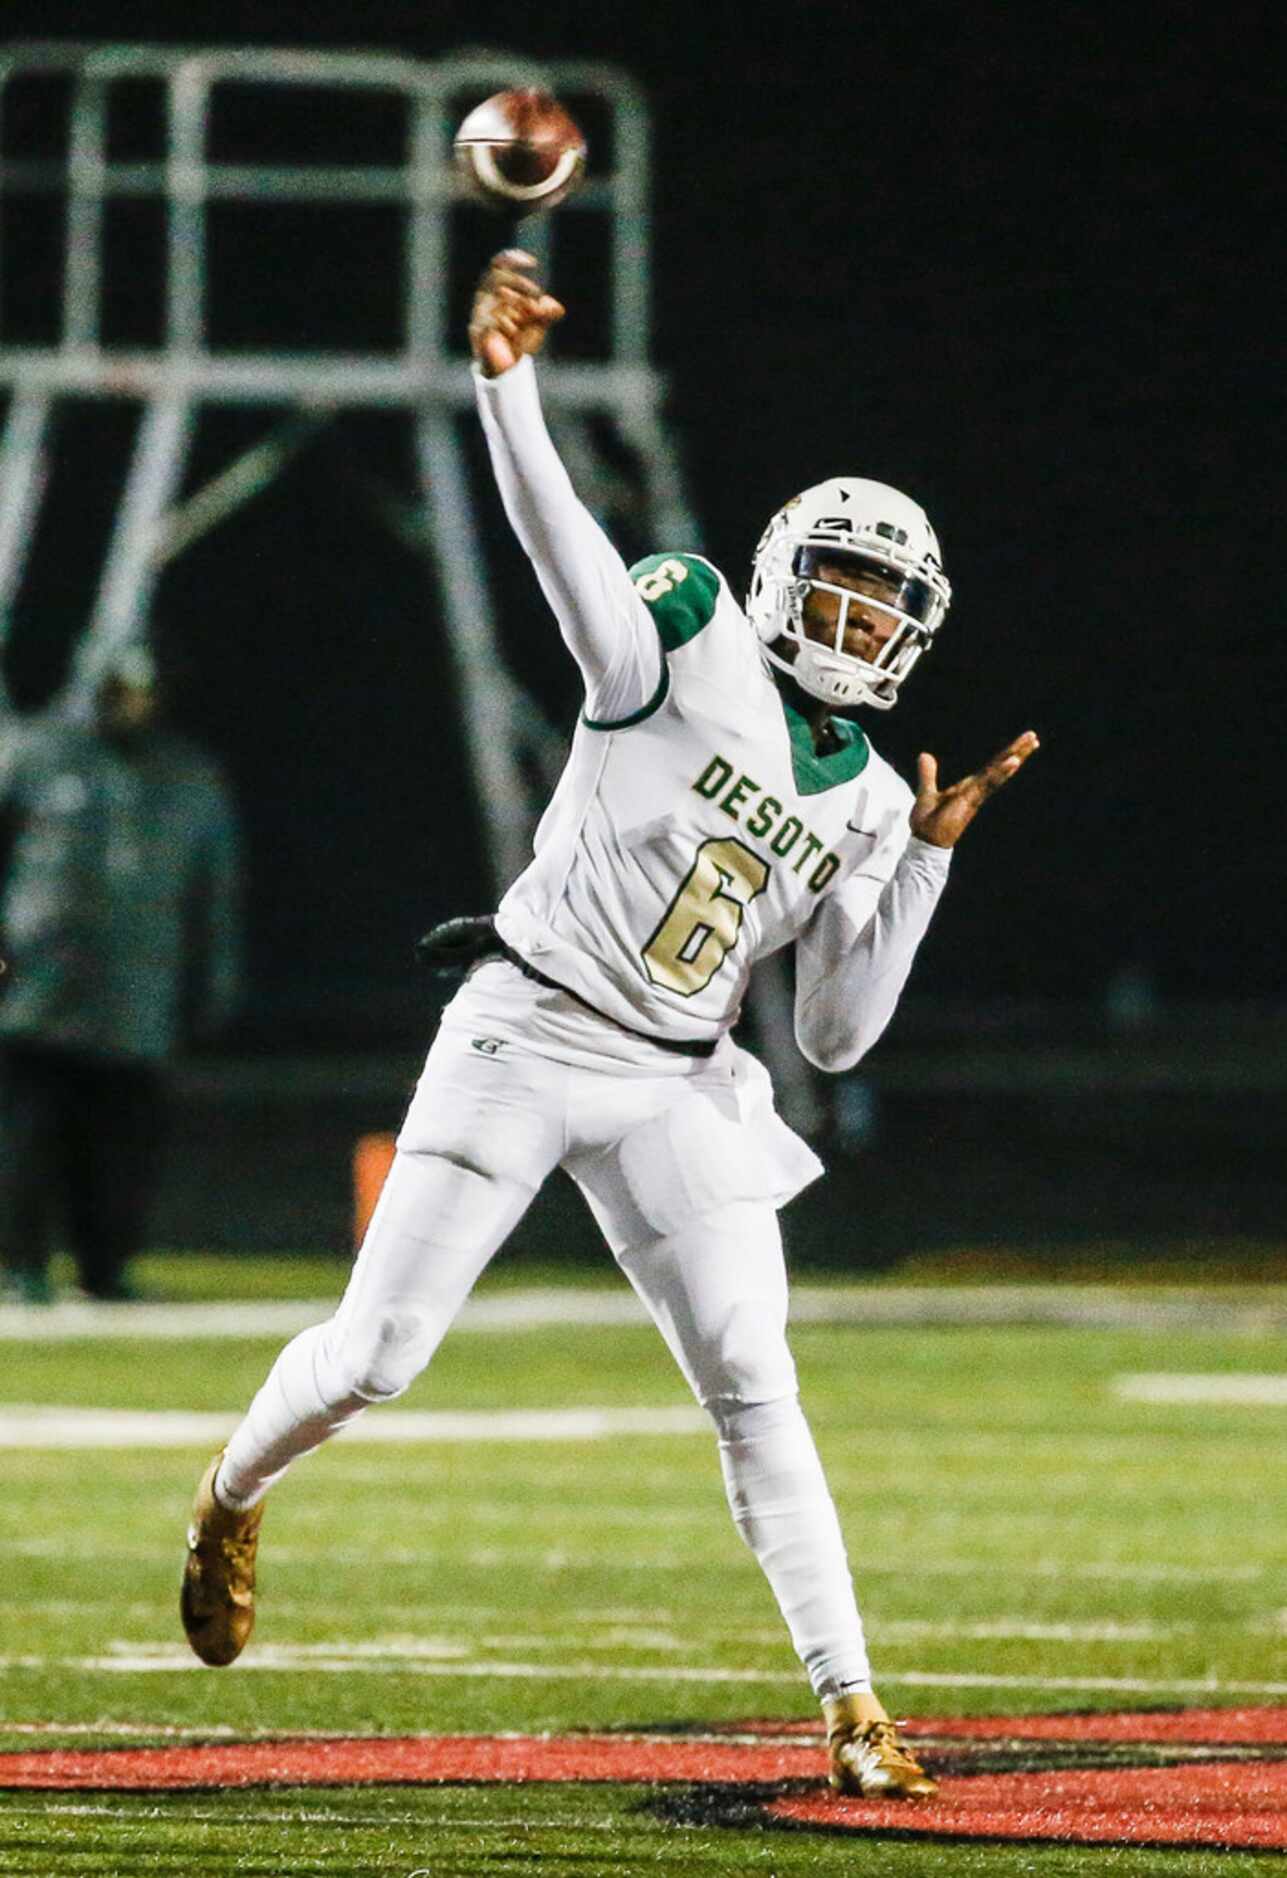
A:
(506, 1624)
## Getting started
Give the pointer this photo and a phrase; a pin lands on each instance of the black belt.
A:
(456, 946)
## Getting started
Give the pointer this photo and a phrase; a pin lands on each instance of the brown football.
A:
(520, 151)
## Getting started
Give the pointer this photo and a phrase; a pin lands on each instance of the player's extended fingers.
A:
(1008, 762)
(1023, 745)
(926, 775)
(982, 783)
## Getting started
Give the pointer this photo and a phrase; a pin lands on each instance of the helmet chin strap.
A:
(837, 684)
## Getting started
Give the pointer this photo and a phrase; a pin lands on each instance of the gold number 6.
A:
(704, 920)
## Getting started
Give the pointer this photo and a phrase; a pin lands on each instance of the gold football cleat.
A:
(217, 1601)
(867, 1754)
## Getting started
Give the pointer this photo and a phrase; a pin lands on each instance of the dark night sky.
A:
(1017, 262)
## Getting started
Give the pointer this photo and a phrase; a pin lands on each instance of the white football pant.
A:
(682, 1165)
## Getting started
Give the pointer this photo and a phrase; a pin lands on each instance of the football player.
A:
(713, 809)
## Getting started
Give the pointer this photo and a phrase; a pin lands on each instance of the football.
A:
(520, 151)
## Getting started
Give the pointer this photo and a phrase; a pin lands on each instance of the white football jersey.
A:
(690, 839)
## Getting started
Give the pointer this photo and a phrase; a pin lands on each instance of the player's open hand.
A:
(511, 313)
(941, 816)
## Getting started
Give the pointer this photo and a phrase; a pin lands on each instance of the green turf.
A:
(198, 1277)
(558, 1832)
(990, 1481)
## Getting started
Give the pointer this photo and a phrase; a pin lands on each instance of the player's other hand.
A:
(941, 816)
(511, 313)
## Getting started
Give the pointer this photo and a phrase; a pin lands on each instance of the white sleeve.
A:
(853, 958)
(608, 629)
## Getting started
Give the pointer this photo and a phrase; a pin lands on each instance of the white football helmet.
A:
(848, 520)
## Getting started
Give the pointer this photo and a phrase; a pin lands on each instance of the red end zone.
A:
(1231, 1805)
(1228, 1790)
(417, 1760)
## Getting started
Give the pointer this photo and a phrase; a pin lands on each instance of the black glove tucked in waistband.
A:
(450, 949)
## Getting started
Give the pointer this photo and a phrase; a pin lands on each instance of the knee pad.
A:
(752, 1421)
(378, 1360)
(748, 1360)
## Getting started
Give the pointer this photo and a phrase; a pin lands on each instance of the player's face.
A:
(867, 628)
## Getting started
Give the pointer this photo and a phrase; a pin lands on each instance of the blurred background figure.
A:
(120, 925)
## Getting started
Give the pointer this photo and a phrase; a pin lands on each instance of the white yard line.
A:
(1019, 1630)
(34, 1425)
(397, 1558)
(1125, 1685)
(1261, 1309)
(1240, 1391)
(1109, 1570)
(165, 1659)
(652, 1636)
(156, 1731)
(282, 1660)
